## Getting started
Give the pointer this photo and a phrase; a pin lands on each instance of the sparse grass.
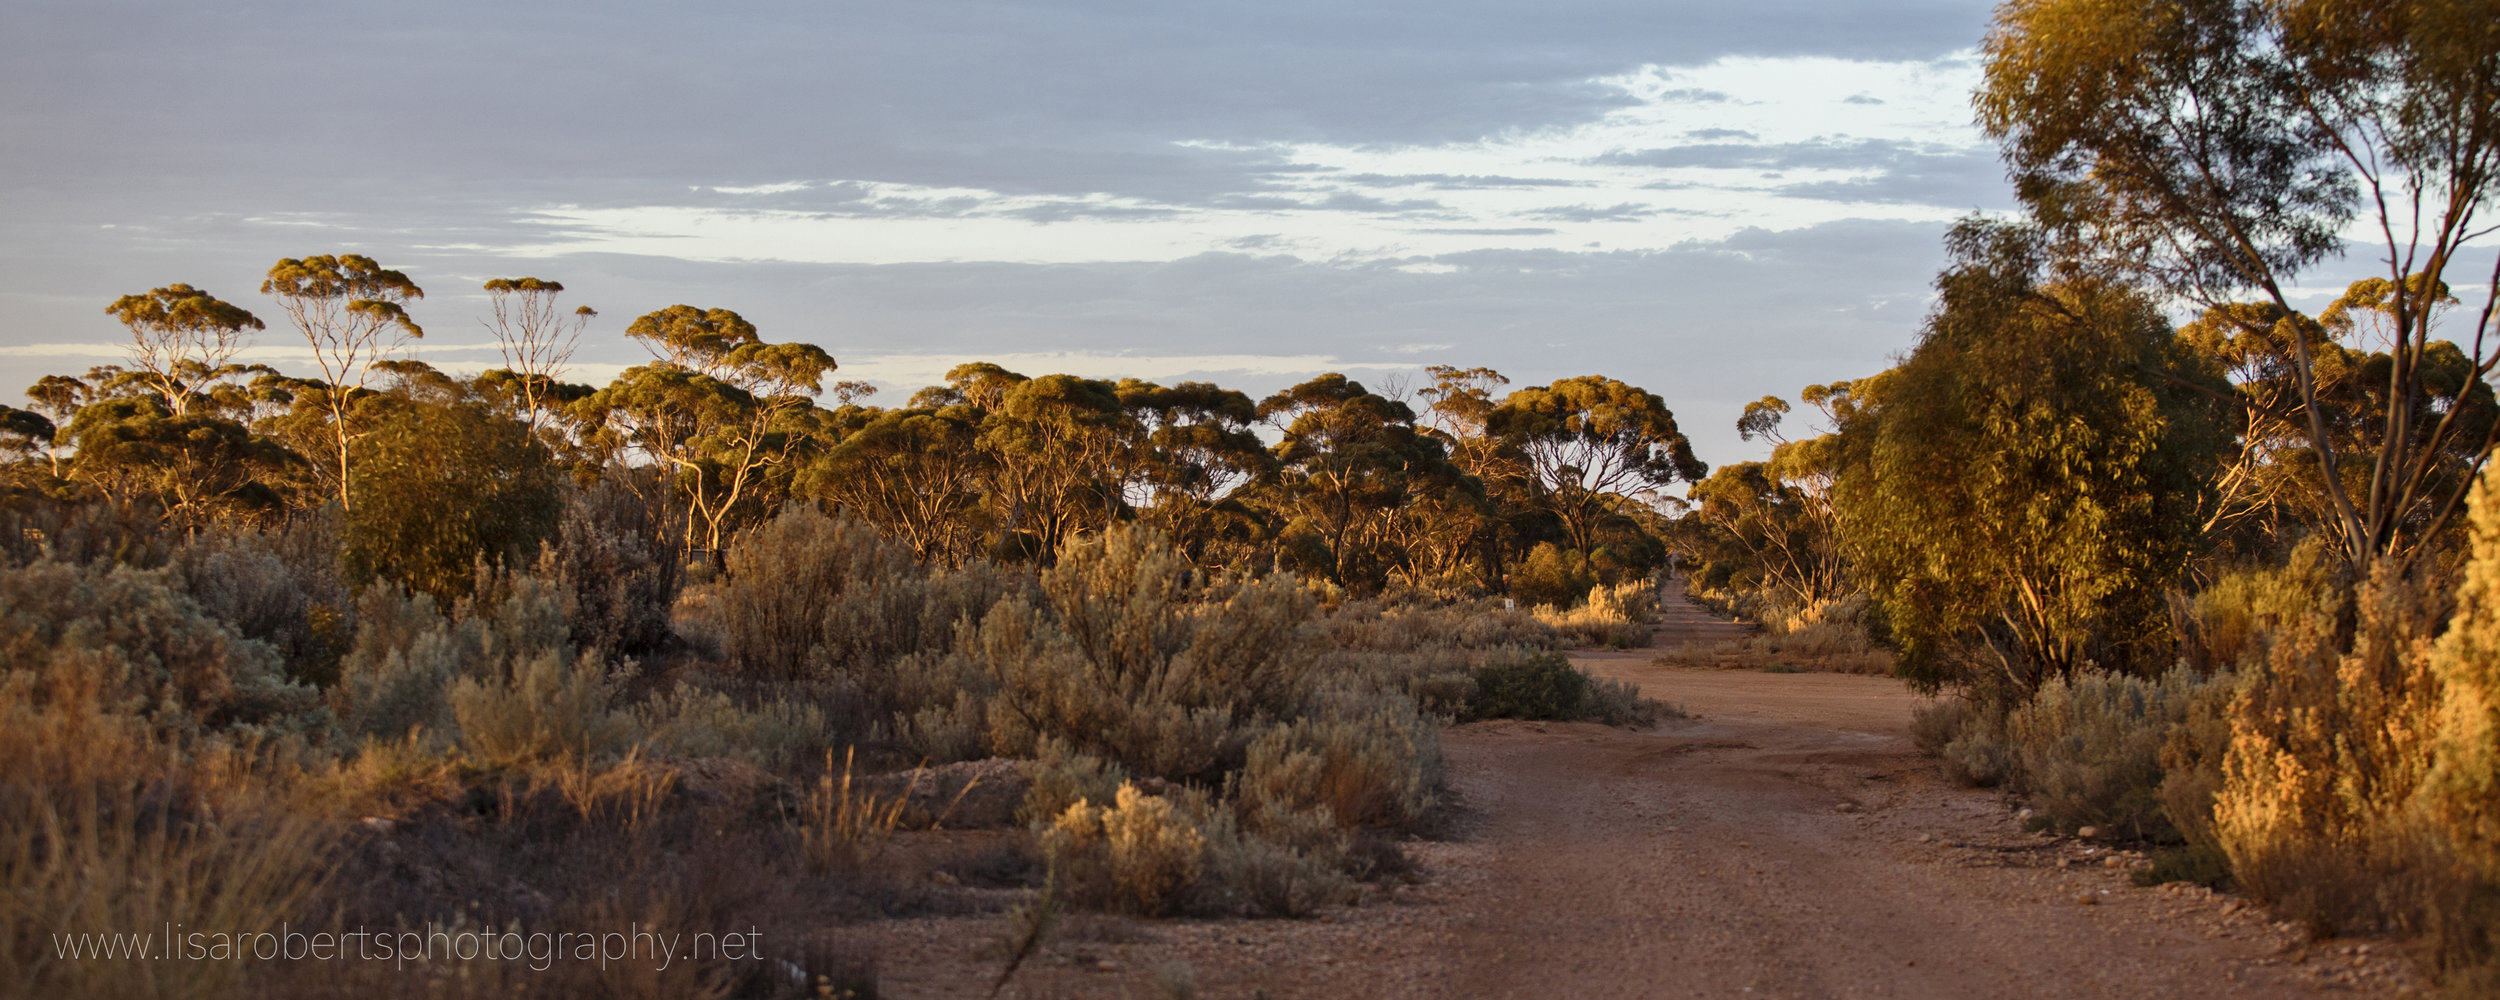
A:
(841, 827)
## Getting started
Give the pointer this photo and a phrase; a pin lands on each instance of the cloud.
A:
(1457, 182)
(1623, 212)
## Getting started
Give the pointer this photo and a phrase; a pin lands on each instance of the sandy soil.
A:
(1788, 841)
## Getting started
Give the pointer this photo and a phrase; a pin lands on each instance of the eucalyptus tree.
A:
(183, 339)
(196, 467)
(1584, 443)
(448, 478)
(2021, 490)
(720, 407)
(537, 338)
(1197, 449)
(915, 472)
(1780, 511)
(1058, 446)
(353, 312)
(2227, 147)
(1350, 461)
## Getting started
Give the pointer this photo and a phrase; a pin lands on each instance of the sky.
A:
(1712, 201)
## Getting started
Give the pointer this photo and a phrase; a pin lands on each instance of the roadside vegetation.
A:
(2221, 587)
(392, 649)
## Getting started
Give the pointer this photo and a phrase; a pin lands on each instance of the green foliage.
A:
(2022, 489)
(353, 313)
(126, 642)
(1583, 439)
(395, 680)
(2224, 146)
(447, 481)
(197, 467)
(723, 409)
(1518, 684)
(1349, 461)
(1551, 576)
(1063, 777)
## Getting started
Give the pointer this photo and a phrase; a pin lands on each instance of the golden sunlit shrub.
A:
(1374, 763)
(1142, 659)
(1615, 616)
(784, 575)
(1552, 576)
(1139, 855)
(1064, 777)
(2327, 751)
(1833, 636)
(2227, 625)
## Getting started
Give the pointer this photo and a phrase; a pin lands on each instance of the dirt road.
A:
(1790, 842)
(1787, 842)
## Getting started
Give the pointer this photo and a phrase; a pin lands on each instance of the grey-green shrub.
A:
(551, 705)
(689, 721)
(280, 587)
(1138, 657)
(1968, 737)
(1063, 777)
(2088, 748)
(615, 556)
(127, 642)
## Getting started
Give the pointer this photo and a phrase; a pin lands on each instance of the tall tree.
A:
(2024, 487)
(1351, 460)
(536, 336)
(913, 472)
(182, 339)
(1582, 439)
(717, 407)
(1198, 448)
(1058, 447)
(2227, 146)
(353, 313)
(448, 479)
(1780, 511)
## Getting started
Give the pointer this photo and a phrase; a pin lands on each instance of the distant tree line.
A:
(722, 428)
